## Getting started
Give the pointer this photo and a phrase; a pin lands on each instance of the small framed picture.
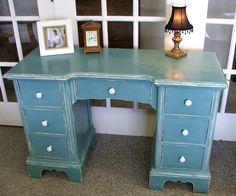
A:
(55, 37)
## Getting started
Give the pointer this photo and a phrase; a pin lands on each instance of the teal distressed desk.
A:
(53, 94)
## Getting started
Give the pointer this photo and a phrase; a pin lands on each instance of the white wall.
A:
(122, 121)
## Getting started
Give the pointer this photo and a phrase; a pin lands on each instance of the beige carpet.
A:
(118, 166)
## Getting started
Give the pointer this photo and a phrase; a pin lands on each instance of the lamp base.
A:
(176, 54)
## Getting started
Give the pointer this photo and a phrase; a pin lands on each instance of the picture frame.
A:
(55, 37)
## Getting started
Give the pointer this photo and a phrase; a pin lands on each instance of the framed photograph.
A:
(55, 37)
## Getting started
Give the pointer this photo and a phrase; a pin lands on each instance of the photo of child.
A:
(55, 37)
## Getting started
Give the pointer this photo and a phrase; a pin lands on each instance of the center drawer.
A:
(49, 146)
(178, 156)
(45, 121)
(133, 90)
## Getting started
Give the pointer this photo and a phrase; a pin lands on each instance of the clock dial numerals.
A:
(91, 38)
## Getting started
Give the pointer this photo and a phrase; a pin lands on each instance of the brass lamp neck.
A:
(176, 39)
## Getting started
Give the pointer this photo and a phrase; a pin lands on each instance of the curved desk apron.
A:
(53, 94)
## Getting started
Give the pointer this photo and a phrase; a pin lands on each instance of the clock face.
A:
(91, 38)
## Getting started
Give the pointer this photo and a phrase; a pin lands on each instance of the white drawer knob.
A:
(39, 95)
(44, 123)
(188, 102)
(184, 132)
(49, 148)
(182, 159)
(111, 91)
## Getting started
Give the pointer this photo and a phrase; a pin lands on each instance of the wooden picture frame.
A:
(55, 37)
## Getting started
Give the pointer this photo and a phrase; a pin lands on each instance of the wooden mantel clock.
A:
(91, 33)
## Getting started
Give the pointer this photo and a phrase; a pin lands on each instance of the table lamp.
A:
(178, 24)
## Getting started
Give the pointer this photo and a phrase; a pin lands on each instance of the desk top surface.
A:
(196, 69)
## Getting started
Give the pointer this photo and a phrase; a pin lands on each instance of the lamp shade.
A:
(179, 20)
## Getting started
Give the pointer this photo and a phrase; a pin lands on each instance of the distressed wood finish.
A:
(53, 94)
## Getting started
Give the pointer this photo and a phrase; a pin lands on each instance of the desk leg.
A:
(74, 174)
(75, 170)
(93, 143)
(200, 181)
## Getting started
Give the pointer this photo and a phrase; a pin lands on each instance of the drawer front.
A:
(195, 101)
(185, 129)
(40, 93)
(50, 147)
(45, 121)
(134, 90)
(182, 157)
